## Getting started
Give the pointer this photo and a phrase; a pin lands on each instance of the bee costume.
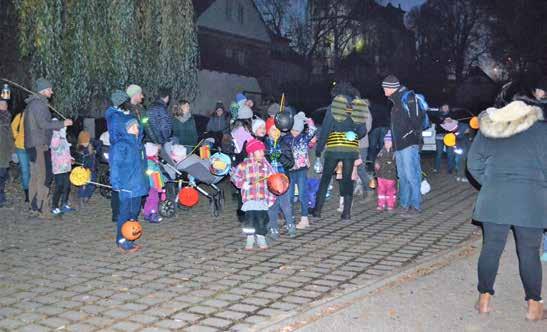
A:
(343, 126)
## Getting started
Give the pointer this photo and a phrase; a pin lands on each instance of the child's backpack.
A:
(421, 106)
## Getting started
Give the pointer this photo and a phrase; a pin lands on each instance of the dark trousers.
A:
(528, 241)
(258, 220)
(115, 205)
(4, 175)
(129, 209)
(346, 184)
(62, 189)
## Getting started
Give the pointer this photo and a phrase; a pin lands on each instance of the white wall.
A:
(253, 27)
(214, 86)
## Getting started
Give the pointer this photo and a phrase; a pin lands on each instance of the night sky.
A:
(405, 4)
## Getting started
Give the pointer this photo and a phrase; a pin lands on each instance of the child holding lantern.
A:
(157, 180)
(127, 175)
(250, 177)
(61, 165)
(386, 170)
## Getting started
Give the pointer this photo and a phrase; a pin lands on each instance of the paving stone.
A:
(185, 316)
(244, 307)
(231, 315)
(54, 322)
(202, 310)
(216, 322)
(34, 328)
(171, 324)
(127, 326)
(200, 328)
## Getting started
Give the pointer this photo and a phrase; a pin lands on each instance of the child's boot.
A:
(291, 230)
(261, 242)
(250, 242)
(26, 196)
(274, 233)
(304, 223)
(155, 218)
(346, 214)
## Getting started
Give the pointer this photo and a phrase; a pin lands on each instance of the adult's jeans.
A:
(129, 210)
(282, 204)
(409, 171)
(376, 142)
(4, 175)
(24, 165)
(450, 156)
(528, 241)
(300, 178)
(362, 169)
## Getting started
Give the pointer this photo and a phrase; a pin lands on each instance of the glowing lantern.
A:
(449, 140)
(131, 230)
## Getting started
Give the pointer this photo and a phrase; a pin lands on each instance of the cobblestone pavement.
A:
(192, 273)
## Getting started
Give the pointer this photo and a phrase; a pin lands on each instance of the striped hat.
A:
(391, 82)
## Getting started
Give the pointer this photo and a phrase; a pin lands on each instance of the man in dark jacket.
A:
(406, 130)
(159, 119)
(380, 126)
(38, 131)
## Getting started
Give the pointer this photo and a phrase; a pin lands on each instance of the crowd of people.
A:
(507, 158)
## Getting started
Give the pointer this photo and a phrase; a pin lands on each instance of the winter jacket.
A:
(6, 141)
(85, 156)
(333, 132)
(160, 122)
(218, 124)
(116, 118)
(185, 131)
(406, 127)
(38, 123)
(18, 130)
(300, 147)
(254, 173)
(280, 155)
(509, 159)
(388, 167)
(153, 171)
(61, 161)
(128, 167)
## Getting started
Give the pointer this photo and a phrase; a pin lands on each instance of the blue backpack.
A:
(421, 107)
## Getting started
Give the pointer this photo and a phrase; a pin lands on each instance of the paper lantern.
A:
(204, 152)
(131, 230)
(80, 176)
(188, 196)
(220, 164)
(474, 123)
(278, 184)
(449, 140)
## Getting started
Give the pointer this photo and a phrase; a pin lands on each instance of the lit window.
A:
(229, 8)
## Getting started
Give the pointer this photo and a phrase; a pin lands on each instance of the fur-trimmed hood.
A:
(512, 119)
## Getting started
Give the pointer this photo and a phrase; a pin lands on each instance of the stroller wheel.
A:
(167, 209)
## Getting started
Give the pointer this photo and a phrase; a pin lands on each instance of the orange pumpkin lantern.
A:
(188, 196)
(474, 123)
(131, 230)
(278, 184)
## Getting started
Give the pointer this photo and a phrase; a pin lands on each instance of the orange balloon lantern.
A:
(188, 196)
(278, 184)
(131, 230)
(474, 123)
(449, 140)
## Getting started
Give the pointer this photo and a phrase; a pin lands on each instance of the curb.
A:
(294, 320)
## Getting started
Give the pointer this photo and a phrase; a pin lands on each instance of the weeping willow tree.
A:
(89, 48)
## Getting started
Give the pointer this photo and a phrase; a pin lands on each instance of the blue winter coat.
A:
(160, 121)
(128, 167)
(115, 122)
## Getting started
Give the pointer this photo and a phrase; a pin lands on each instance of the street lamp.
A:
(6, 92)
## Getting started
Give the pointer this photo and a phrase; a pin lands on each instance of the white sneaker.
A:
(250, 242)
(304, 223)
(261, 241)
(56, 212)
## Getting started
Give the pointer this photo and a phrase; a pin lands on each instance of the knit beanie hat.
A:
(42, 84)
(240, 97)
(151, 149)
(257, 123)
(244, 112)
(388, 136)
(84, 137)
(254, 145)
(133, 89)
(391, 82)
(118, 97)
(130, 123)
(299, 119)
(273, 109)
(270, 122)
(218, 105)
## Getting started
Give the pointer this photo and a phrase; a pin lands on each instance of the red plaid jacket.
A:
(256, 174)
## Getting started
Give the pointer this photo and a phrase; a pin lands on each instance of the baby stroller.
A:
(103, 169)
(192, 171)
